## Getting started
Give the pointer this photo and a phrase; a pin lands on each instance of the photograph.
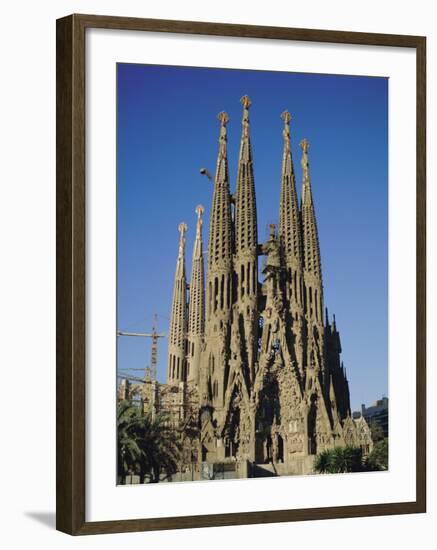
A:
(218, 226)
(252, 274)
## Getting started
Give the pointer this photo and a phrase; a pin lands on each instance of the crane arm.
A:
(144, 334)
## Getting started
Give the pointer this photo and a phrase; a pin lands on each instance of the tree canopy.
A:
(351, 459)
(146, 444)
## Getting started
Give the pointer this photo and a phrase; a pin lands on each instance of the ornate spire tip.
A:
(286, 117)
(223, 117)
(245, 101)
(304, 145)
(199, 210)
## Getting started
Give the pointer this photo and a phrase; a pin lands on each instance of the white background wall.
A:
(27, 270)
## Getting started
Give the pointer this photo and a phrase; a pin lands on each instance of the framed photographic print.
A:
(240, 274)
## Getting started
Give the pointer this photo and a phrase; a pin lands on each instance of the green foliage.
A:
(378, 458)
(322, 464)
(128, 450)
(340, 460)
(377, 431)
(351, 459)
(146, 444)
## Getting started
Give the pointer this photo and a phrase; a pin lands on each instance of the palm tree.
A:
(160, 446)
(340, 460)
(349, 459)
(147, 444)
(322, 463)
(128, 450)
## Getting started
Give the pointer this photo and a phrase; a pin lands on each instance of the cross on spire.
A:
(245, 101)
(305, 145)
(182, 228)
(286, 117)
(199, 211)
(223, 117)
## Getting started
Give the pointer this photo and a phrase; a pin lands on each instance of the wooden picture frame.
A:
(71, 254)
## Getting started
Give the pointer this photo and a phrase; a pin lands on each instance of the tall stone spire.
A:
(310, 235)
(313, 287)
(246, 238)
(289, 215)
(290, 238)
(179, 317)
(220, 229)
(219, 282)
(246, 245)
(196, 311)
(220, 235)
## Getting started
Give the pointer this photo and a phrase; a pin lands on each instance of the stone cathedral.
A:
(259, 359)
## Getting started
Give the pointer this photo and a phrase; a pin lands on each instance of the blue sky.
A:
(167, 130)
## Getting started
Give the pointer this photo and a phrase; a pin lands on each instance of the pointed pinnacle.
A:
(286, 117)
(245, 101)
(304, 145)
(223, 117)
(199, 211)
(182, 228)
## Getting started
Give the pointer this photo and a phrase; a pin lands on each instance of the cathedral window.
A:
(234, 286)
(210, 298)
(242, 280)
(215, 293)
(228, 291)
(280, 448)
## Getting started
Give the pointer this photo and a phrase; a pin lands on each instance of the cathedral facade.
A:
(260, 357)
